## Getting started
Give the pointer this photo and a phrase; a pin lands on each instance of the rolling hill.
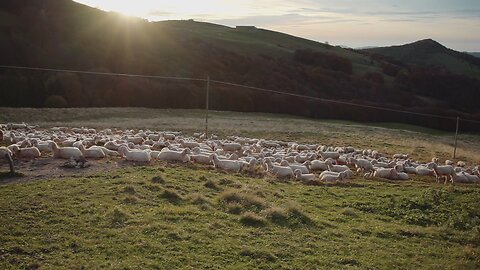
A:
(66, 35)
(428, 52)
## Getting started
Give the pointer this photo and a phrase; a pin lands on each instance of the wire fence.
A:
(210, 82)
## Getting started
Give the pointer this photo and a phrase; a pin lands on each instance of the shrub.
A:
(55, 101)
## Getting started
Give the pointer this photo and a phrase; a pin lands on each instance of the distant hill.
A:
(428, 52)
(476, 54)
(68, 35)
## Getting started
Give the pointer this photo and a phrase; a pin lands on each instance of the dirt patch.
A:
(50, 168)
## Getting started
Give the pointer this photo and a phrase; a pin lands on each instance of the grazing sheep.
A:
(446, 171)
(134, 154)
(66, 152)
(363, 165)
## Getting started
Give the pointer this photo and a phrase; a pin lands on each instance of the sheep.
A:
(446, 171)
(106, 151)
(44, 147)
(171, 155)
(422, 170)
(384, 173)
(332, 177)
(66, 152)
(111, 145)
(319, 165)
(134, 154)
(5, 151)
(304, 177)
(363, 165)
(26, 153)
(92, 152)
(294, 167)
(325, 155)
(226, 164)
(279, 171)
(471, 177)
(201, 159)
(231, 147)
(338, 168)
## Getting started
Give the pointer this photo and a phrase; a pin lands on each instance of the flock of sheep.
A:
(235, 154)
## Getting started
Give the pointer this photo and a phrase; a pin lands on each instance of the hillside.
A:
(476, 54)
(428, 52)
(67, 35)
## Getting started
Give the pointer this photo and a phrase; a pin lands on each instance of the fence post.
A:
(206, 107)
(10, 163)
(456, 134)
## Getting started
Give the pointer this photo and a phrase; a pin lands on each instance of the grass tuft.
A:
(118, 218)
(172, 195)
(248, 201)
(252, 219)
(158, 180)
(212, 185)
(131, 200)
(350, 212)
(258, 254)
(129, 190)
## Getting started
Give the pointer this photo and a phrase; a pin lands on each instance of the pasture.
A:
(120, 215)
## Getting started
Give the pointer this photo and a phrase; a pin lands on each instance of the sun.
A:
(163, 10)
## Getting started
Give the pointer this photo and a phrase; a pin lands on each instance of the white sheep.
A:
(387, 173)
(226, 164)
(201, 159)
(26, 153)
(279, 171)
(446, 171)
(92, 152)
(319, 165)
(363, 165)
(303, 176)
(134, 154)
(66, 152)
(332, 177)
(172, 155)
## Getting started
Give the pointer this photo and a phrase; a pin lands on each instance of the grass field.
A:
(164, 216)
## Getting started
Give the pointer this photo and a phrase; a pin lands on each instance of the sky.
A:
(352, 23)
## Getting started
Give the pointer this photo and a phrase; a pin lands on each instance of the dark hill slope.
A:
(67, 35)
(431, 53)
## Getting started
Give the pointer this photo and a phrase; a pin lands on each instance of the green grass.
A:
(93, 222)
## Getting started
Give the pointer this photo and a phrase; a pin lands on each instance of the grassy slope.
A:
(123, 220)
(421, 143)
